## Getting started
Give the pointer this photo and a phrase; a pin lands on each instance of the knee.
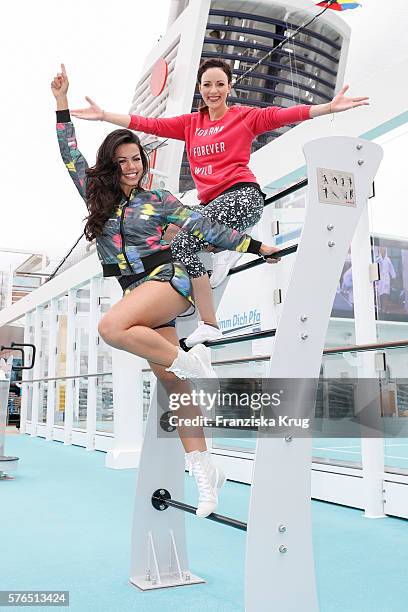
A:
(109, 330)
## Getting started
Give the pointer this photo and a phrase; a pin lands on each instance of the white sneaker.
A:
(194, 364)
(222, 264)
(209, 480)
(203, 333)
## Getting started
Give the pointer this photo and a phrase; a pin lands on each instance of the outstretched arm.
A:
(192, 221)
(340, 103)
(262, 120)
(168, 127)
(74, 161)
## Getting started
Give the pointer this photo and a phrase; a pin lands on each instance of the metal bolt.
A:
(162, 507)
(303, 318)
(148, 577)
(288, 439)
(187, 577)
(360, 162)
(304, 336)
(282, 529)
(330, 227)
(154, 581)
(283, 549)
(331, 243)
(162, 491)
(359, 147)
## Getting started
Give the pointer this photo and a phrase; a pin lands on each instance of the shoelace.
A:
(206, 491)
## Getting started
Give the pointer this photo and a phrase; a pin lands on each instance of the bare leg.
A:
(203, 299)
(192, 438)
(128, 326)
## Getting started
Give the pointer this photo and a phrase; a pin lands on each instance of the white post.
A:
(94, 310)
(70, 371)
(52, 367)
(28, 374)
(280, 563)
(127, 413)
(37, 368)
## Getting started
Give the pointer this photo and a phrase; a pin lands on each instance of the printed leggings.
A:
(238, 209)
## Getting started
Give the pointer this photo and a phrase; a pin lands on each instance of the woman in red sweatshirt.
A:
(218, 143)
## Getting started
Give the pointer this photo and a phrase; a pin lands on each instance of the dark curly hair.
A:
(103, 190)
(213, 63)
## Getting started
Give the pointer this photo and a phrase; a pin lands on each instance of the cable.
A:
(283, 42)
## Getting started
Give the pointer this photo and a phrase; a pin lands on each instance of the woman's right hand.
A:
(269, 253)
(60, 84)
(92, 113)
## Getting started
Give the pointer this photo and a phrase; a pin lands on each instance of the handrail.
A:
(366, 347)
(257, 262)
(67, 377)
(286, 192)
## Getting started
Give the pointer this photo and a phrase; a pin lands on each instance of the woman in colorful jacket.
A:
(218, 143)
(127, 223)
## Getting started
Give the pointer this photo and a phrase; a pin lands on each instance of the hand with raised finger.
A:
(269, 253)
(92, 113)
(60, 83)
(341, 102)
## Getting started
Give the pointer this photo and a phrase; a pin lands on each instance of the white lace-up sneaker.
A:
(203, 333)
(222, 264)
(194, 364)
(209, 479)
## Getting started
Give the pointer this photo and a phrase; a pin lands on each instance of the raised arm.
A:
(170, 127)
(192, 221)
(73, 159)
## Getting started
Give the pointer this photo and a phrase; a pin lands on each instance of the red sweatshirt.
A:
(219, 151)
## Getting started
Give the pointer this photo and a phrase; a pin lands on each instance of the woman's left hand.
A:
(341, 102)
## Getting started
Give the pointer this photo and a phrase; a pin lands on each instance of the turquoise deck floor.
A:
(65, 524)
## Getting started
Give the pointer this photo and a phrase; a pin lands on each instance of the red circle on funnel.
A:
(159, 77)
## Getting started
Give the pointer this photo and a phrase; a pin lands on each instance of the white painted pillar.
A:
(52, 367)
(37, 368)
(70, 371)
(127, 403)
(94, 315)
(27, 375)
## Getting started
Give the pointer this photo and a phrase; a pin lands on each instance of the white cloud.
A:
(103, 45)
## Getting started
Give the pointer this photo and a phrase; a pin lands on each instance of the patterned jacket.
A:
(134, 232)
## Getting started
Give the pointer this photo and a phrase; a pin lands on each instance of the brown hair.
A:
(213, 63)
(103, 190)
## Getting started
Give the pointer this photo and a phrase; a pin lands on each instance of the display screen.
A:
(391, 291)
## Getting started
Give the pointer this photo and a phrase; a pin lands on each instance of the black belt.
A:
(149, 263)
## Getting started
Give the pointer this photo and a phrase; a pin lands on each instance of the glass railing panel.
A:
(59, 406)
(394, 407)
(245, 442)
(42, 402)
(335, 399)
(104, 404)
(80, 403)
(44, 348)
(28, 389)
